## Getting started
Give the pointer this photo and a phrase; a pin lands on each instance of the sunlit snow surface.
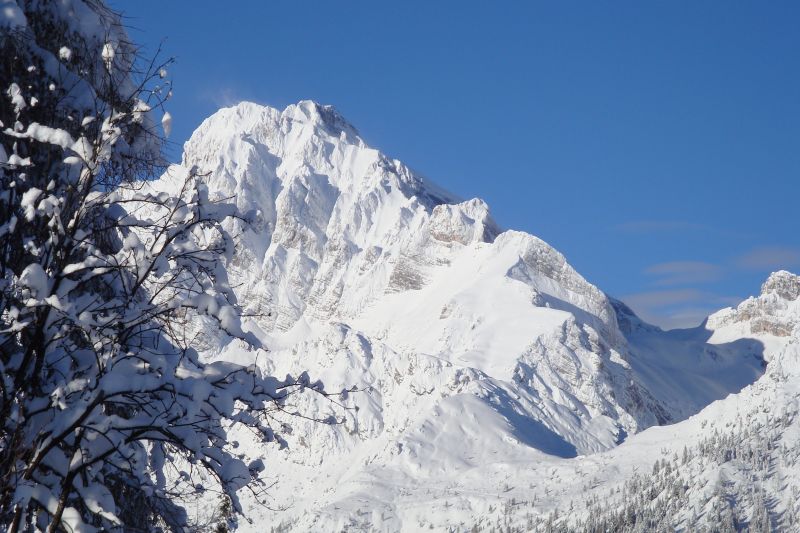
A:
(488, 369)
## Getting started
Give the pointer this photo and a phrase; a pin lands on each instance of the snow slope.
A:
(481, 357)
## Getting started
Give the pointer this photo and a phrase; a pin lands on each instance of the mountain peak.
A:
(775, 311)
(247, 118)
(323, 115)
(784, 284)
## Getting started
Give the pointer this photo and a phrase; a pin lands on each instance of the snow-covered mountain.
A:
(488, 371)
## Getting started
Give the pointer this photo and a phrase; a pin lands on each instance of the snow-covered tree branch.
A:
(108, 414)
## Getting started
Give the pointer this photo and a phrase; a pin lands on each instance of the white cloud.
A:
(770, 258)
(684, 272)
(678, 308)
(659, 226)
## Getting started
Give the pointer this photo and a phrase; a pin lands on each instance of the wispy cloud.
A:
(678, 308)
(686, 290)
(770, 258)
(653, 299)
(227, 96)
(659, 226)
(684, 272)
(675, 227)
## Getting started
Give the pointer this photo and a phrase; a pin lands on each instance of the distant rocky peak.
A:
(785, 284)
(776, 311)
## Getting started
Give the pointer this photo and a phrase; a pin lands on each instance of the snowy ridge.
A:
(484, 357)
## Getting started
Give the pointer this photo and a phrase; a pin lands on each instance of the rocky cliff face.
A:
(470, 344)
(775, 312)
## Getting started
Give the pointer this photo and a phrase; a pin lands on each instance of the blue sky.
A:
(656, 144)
